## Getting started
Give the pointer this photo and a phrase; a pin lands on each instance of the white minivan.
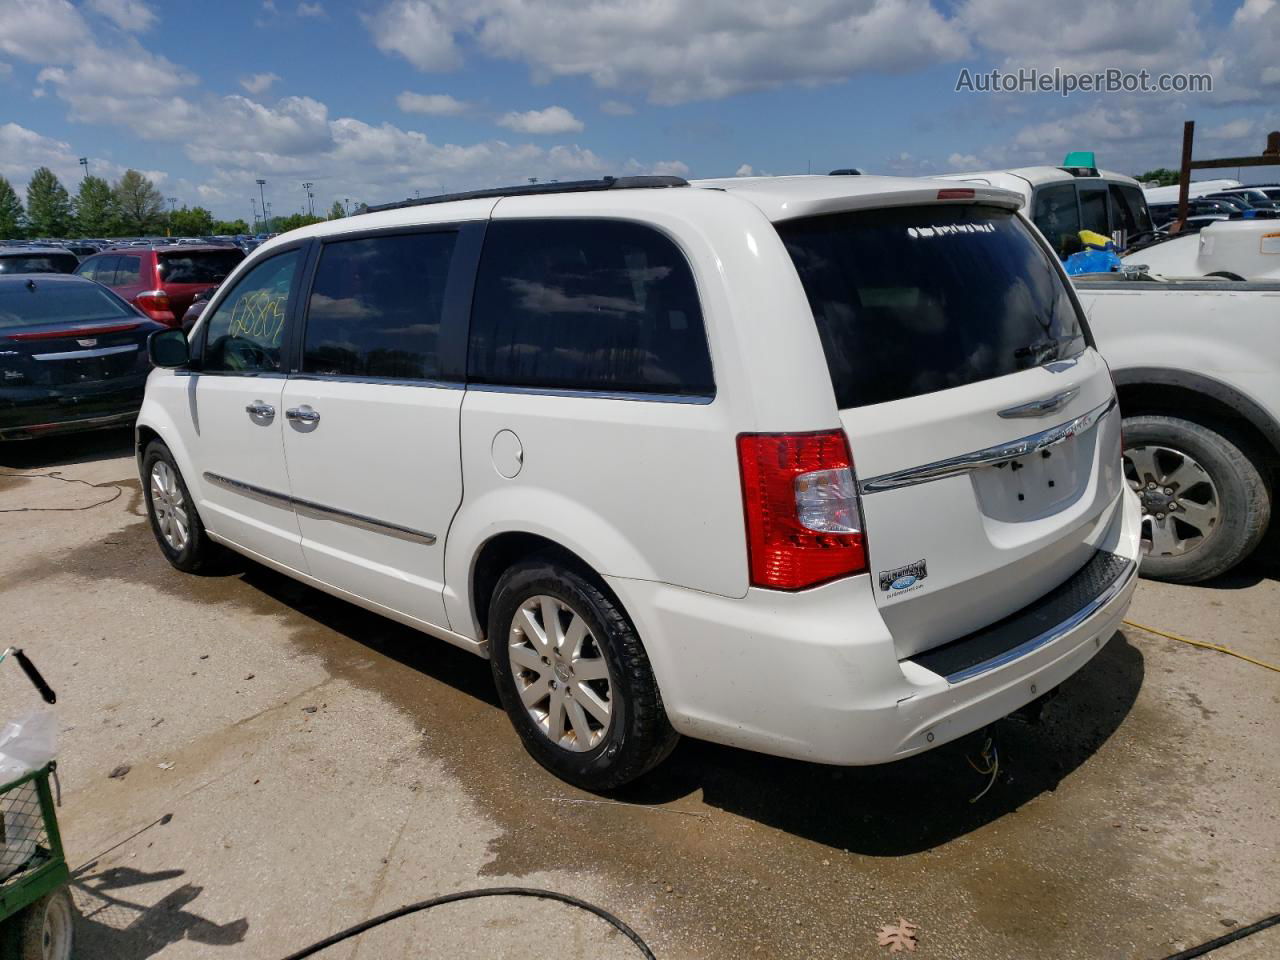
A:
(824, 467)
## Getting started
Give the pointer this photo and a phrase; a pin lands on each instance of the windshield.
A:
(22, 305)
(917, 299)
(39, 263)
(198, 266)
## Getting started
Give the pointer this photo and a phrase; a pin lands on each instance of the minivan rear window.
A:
(600, 305)
(912, 300)
(199, 266)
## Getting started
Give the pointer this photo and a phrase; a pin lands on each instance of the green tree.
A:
(10, 212)
(48, 205)
(140, 204)
(294, 221)
(336, 212)
(95, 208)
(223, 227)
(1162, 175)
(193, 222)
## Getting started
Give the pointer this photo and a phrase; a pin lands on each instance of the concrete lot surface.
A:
(297, 765)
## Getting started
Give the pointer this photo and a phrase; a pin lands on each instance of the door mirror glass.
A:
(169, 349)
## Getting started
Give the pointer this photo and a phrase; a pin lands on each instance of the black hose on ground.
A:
(1219, 942)
(360, 928)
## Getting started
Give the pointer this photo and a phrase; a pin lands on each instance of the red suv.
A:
(162, 279)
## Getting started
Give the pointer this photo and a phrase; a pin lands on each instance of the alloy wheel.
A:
(560, 673)
(1180, 504)
(169, 506)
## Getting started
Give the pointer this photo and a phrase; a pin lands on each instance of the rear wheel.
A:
(574, 677)
(43, 931)
(1205, 504)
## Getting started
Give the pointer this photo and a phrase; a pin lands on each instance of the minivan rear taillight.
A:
(155, 304)
(804, 526)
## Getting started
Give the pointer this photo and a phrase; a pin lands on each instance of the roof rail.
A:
(533, 189)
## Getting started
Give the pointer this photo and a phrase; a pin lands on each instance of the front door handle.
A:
(303, 414)
(260, 409)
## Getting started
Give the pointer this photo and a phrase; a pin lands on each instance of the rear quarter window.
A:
(913, 300)
(600, 305)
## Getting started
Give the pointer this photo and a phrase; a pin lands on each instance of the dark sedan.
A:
(73, 356)
(37, 260)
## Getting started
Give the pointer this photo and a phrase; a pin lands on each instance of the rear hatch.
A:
(184, 273)
(981, 422)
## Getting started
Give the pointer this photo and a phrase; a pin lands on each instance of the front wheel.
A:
(172, 511)
(43, 931)
(574, 678)
(1205, 504)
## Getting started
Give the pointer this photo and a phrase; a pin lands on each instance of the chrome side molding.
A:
(321, 511)
(1042, 407)
(968, 462)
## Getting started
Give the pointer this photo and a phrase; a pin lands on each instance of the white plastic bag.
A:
(25, 745)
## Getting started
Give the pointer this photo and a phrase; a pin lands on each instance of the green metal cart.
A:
(36, 913)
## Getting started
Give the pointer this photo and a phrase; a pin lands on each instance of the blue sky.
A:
(373, 99)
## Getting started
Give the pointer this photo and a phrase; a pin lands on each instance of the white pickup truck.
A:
(1197, 368)
(1230, 249)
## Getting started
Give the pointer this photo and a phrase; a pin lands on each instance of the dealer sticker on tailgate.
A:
(900, 580)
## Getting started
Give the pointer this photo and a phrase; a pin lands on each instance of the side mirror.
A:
(169, 348)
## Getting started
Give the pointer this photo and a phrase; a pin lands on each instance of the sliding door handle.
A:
(303, 414)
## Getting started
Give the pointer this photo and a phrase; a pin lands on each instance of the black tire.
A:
(1243, 496)
(23, 936)
(199, 553)
(638, 736)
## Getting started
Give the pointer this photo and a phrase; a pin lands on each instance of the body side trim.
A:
(321, 511)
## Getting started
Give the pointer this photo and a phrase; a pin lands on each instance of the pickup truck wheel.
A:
(172, 512)
(1205, 504)
(574, 677)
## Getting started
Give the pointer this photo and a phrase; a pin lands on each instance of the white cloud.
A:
(414, 30)
(432, 104)
(311, 10)
(1232, 130)
(132, 15)
(23, 150)
(746, 170)
(672, 50)
(617, 108)
(963, 161)
(1086, 34)
(257, 83)
(549, 121)
(41, 31)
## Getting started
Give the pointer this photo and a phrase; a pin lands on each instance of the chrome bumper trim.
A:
(1053, 633)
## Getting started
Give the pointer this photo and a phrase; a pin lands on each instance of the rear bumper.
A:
(26, 413)
(815, 675)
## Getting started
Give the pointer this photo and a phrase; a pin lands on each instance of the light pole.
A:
(254, 201)
(84, 164)
(307, 185)
(261, 196)
(173, 202)
(346, 206)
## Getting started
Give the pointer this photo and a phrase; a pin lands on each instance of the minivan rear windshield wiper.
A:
(1044, 350)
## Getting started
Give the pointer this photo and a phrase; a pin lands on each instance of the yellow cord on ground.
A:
(1201, 643)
